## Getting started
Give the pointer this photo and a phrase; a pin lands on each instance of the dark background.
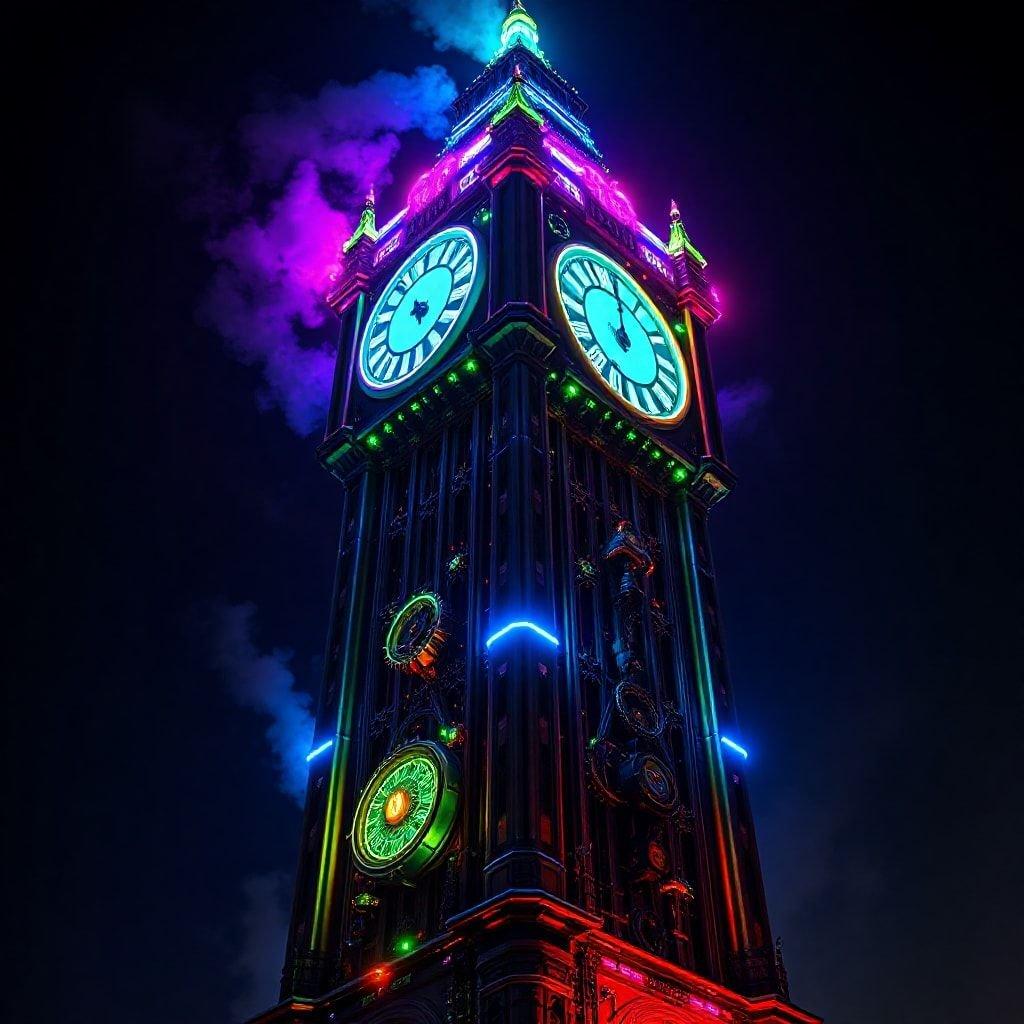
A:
(845, 170)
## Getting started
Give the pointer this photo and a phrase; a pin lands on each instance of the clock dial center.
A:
(621, 335)
(419, 309)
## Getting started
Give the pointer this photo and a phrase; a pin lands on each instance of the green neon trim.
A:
(519, 28)
(709, 718)
(335, 810)
(517, 101)
(367, 226)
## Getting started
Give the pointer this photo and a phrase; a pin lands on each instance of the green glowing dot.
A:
(471, 366)
(415, 407)
(680, 475)
(452, 378)
(400, 417)
(373, 441)
(448, 733)
(655, 454)
(405, 944)
(388, 429)
(645, 445)
(366, 901)
(680, 329)
(571, 390)
(591, 404)
(552, 375)
(607, 415)
(619, 424)
(631, 435)
(592, 742)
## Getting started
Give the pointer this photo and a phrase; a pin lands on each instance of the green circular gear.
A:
(414, 632)
(429, 779)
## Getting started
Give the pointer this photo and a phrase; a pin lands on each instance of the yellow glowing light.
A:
(398, 805)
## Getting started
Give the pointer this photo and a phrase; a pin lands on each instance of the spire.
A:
(519, 29)
(367, 227)
(678, 240)
(517, 99)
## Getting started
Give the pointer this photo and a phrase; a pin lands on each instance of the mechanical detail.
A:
(415, 637)
(405, 814)
(639, 710)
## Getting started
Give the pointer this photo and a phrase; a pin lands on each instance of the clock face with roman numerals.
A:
(421, 311)
(623, 336)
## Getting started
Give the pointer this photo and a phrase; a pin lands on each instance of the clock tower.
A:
(526, 791)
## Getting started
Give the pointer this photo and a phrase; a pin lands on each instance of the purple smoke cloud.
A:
(264, 683)
(740, 405)
(275, 241)
(471, 26)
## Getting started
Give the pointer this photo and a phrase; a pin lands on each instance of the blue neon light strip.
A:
(543, 633)
(726, 742)
(319, 750)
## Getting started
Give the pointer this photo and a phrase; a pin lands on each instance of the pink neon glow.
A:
(606, 191)
(632, 974)
(708, 1008)
(432, 183)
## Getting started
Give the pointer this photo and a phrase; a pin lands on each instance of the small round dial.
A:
(638, 709)
(421, 311)
(646, 779)
(415, 638)
(405, 814)
(623, 337)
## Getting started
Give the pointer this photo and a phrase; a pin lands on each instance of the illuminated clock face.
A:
(405, 814)
(622, 335)
(421, 311)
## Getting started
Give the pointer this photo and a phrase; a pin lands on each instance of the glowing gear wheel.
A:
(406, 812)
(415, 638)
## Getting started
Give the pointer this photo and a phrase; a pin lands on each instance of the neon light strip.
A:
(391, 223)
(726, 742)
(319, 750)
(563, 158)
(652, 237)
(555, 108)
(543, 633)
(473, 118)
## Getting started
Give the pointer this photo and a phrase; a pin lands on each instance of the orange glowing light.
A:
(398, 805)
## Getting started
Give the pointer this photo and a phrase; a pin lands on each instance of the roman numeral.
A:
(596, 355)
(458, 293)
(571, 285)
(662, 395)
(581, 330)
(615, 378)
(377, 358)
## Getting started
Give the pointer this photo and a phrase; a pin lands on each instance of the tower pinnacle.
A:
(519, 29)
(678, 240)
(367, 226)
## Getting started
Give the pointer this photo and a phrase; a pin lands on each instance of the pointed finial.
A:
(677, 238)
(367, 226)
(519, 29)
(517, 73)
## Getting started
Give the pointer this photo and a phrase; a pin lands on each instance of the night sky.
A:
(844, 170)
